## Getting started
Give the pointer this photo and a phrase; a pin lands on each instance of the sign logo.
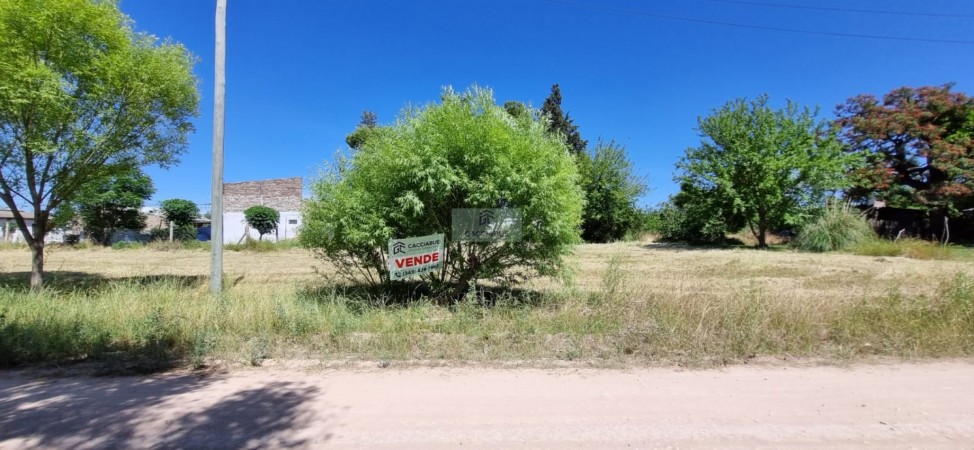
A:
(413, 257)
(486, 217)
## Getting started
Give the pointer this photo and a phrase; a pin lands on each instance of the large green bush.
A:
(466, 152)
(689, 223)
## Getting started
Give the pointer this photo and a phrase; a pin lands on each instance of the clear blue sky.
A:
(300, 72)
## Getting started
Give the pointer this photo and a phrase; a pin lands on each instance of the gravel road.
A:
(901, 405)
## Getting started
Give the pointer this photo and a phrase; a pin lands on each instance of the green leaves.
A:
(114, 203)
(611, 189)
(760, 166)
(82, 94)
(466, 152)
(181, 212)
(264, 219)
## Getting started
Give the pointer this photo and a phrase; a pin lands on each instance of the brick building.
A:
(282, 194)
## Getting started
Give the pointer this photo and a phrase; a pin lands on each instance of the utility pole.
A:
(219, 108)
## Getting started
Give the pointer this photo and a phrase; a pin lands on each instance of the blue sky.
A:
(300, 72)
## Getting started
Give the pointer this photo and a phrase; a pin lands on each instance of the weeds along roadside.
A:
(170, 321)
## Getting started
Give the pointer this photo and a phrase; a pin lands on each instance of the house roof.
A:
(8, 214)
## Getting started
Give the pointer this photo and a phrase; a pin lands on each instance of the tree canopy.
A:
(466, 152)
(180, 211)
(559, 122)
(114, 203)
(918, 147)
(264, 219)
(611, 190)
(83, 97)
(760, 166)
(367, 126)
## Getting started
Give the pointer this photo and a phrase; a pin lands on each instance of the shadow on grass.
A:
(153, 412)
(361, 297)
(68, 281)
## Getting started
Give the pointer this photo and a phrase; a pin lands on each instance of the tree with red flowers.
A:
(917, 147)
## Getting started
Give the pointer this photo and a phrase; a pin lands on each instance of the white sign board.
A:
(412, 257)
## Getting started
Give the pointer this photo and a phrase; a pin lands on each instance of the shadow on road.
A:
(166, 411)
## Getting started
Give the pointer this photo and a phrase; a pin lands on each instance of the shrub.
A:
(254, 246)
(466, 152)
(837, 227)
(159, 234)
(689, 223)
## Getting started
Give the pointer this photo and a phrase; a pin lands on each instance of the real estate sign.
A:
(412, 257)
(486, 224)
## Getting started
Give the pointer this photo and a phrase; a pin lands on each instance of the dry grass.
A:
(628, 303)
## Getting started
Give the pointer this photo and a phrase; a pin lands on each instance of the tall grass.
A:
(839, 227)
(7, 246)
(912, 248)
(169, 322)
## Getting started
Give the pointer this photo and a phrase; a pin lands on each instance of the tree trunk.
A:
(37, 266)
(39, 232)
(762, 231)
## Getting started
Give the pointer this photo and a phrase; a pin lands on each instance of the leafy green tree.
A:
(264, 219)
(114, 203)
(761, 166)
(561, 123)
(611, 190)
(180, 211)
(367, 126)
(182, 214)
(918, 147)
(82, 97)
(466, 152)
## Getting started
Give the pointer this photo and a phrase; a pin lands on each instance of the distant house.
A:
(282, 194)
(8, 226)
(9, 232)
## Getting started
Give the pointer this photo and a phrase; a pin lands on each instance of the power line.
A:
(759, 27)
(849, 10)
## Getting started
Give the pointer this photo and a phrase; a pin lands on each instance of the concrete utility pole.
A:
(219, 107)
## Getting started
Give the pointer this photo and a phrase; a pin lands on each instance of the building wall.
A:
(282, 194)
(235, 228)
(10, 233)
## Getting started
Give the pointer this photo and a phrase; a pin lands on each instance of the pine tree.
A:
(559, 122)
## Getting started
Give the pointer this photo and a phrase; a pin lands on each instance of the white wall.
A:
(9, 232)
(235, 226)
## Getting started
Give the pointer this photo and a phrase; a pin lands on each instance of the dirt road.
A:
(927, 405)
